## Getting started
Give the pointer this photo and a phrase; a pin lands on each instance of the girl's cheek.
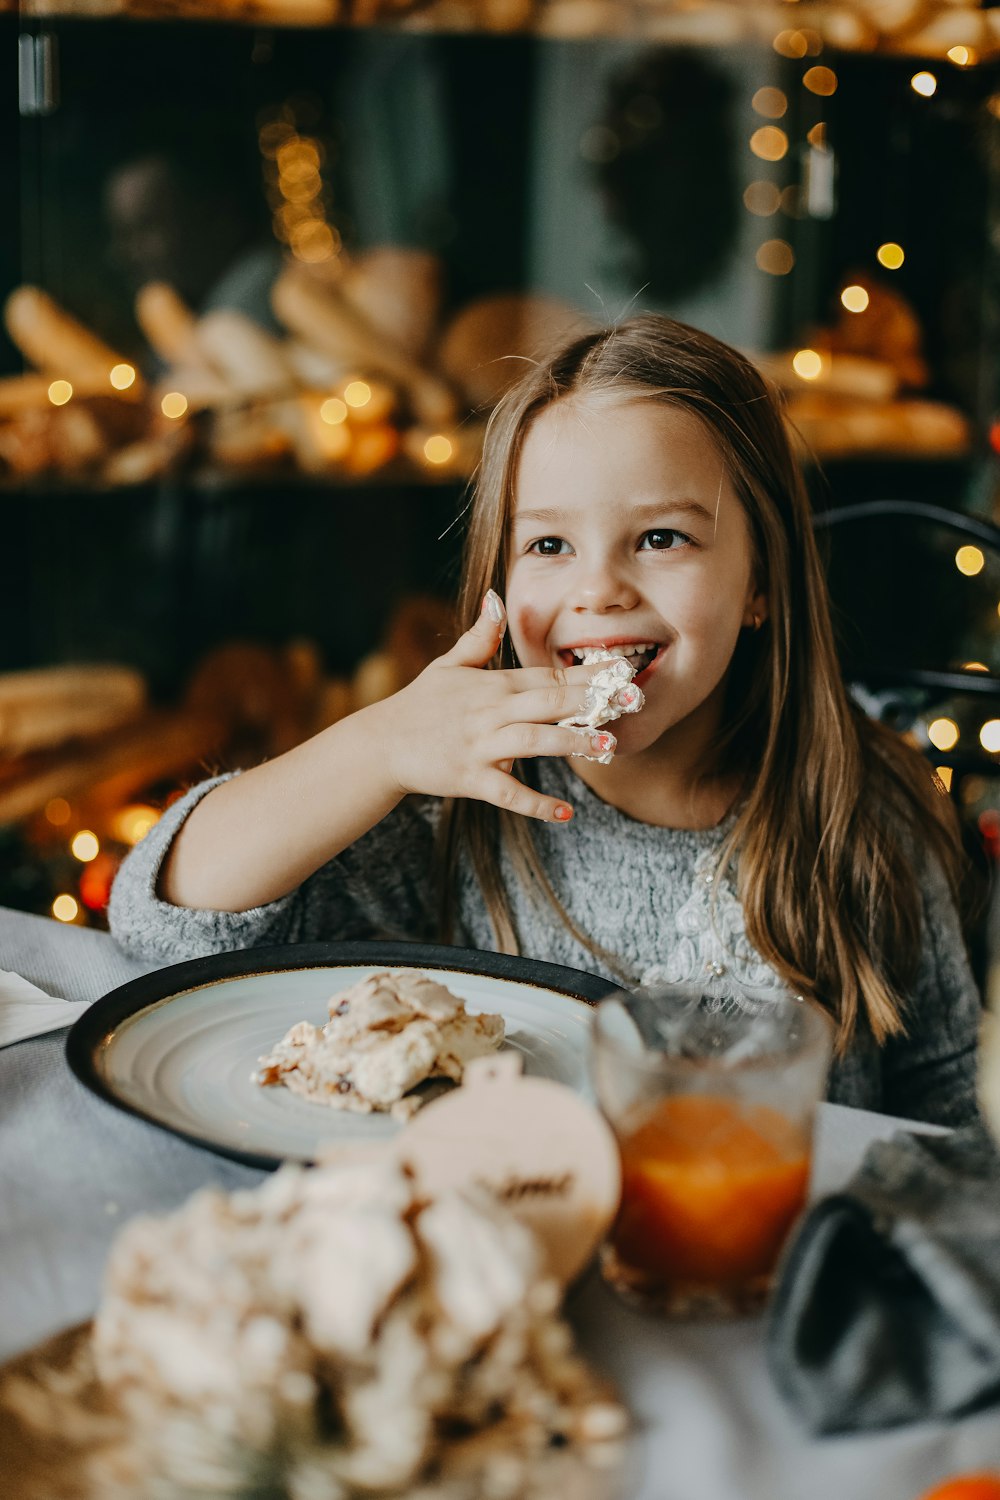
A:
(528, 627)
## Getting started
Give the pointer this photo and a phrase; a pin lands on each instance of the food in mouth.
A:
(610, 692)
(385, 1035)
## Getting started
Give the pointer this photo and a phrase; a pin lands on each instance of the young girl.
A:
(637, 493)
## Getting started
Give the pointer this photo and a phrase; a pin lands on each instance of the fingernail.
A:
(493, 606)
(603, 743)
(563, 813)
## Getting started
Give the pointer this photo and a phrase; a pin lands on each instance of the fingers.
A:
(480, 644)
(531, 741)
(548, 704)
(531, 679)
(511, 795)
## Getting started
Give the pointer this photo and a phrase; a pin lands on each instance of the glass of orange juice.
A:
(712, 1095)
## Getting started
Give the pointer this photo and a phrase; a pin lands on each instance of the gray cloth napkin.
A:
(887, 1307)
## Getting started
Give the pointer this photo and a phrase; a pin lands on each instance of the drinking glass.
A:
(712, 1095)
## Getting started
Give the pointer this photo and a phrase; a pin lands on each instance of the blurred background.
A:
(270, 262)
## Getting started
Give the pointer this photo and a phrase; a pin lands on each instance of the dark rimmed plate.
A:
(178, 1047)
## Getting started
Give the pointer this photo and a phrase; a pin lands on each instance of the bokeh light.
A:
(791, 44)
(762, 198)
(769, 143)
(133, 822)
(776, 257)
(174, 404)
(438, 449)
(57, 811)
(807, 364)
(333, 411)
(822, 81)
(770, 102)
(854, 298)
(357, 393)
(85, 846)
(891, 255)
(943, 734)
(970, 561)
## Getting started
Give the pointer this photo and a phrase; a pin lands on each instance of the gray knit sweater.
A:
(648, 895)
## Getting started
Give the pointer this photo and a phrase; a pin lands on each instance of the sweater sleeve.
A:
(930, 1074)
(381, 886)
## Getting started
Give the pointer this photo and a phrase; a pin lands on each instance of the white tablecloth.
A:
(72, 1170)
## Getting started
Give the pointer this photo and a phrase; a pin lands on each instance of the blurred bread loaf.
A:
(167, 322)
(317, 312)
(488, 344)
(49, 705)
(58, 345)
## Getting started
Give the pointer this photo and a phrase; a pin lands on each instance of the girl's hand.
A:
(456, 730)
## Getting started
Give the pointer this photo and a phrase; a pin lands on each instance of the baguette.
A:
(57, 344)
(398, 291)
(168, 323)
(202, 388)
(247, 437)
(321, 315)
(315, 369)
(162, 745)
(46, 707)
(20, 393)
(108, 681)
(247, 357)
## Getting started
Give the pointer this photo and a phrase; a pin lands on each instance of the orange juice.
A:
(710, 1189)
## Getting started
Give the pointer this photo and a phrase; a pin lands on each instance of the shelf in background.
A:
(932, 29)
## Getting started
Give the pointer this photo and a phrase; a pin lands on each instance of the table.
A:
(73, 1170)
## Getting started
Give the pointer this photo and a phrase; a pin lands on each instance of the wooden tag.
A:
(541, 1149)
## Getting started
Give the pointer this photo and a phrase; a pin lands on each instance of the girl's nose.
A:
(602, 584)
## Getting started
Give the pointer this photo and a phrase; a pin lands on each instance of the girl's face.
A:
(627, 533)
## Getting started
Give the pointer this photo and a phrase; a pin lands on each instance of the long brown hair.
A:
(833, 804)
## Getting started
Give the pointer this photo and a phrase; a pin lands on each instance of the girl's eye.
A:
(665, 540)
(549, 546)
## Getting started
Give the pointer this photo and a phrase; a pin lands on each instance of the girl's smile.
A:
(627, 535)
(641, 654)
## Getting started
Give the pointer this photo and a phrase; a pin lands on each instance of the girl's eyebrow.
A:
(548, 516)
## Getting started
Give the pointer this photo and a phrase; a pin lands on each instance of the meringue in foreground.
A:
(334, 1333)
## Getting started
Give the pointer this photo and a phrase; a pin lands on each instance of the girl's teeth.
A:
(641, 650)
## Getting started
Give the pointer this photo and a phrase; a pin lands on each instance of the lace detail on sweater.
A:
(712, 950)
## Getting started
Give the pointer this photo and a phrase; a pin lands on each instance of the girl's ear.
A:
(756, 611)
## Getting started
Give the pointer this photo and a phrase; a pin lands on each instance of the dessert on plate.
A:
(385, 1035)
